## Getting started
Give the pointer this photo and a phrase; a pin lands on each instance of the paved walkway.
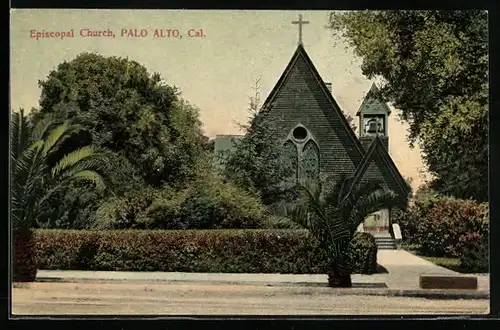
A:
(404, 270)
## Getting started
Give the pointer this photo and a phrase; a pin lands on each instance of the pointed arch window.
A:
(302, 153)
(291, 160)
(310, 163)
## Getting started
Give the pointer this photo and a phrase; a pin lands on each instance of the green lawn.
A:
(450, 263)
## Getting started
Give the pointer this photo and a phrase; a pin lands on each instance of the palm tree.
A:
(33, 180)
(333, 218)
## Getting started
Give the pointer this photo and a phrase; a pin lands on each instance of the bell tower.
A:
(373, 119)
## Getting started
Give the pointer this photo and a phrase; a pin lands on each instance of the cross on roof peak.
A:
(300, 22)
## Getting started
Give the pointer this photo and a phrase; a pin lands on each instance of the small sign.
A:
(397, 231)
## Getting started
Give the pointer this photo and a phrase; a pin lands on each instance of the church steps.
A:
(385, 242)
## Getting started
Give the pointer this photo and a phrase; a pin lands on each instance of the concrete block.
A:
(448, 282)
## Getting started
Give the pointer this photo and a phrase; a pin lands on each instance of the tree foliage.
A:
(257, 163)
(125, 109)
(154, 137)
(434, 65)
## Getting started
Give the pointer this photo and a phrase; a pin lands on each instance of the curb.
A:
(452, 294)
(436, 294)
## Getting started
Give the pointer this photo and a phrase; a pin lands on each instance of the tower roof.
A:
(373, 104)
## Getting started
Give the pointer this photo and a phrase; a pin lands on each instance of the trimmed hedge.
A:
(224, 251)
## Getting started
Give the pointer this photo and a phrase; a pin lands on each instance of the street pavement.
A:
(160, 293)
(125, 298)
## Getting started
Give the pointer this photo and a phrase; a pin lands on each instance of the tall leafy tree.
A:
(34, 180)
(153, 135)
(124, 108)
(256, 163)
(434, 65)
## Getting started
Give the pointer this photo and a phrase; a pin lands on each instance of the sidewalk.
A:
(404, 270)
(377, 284)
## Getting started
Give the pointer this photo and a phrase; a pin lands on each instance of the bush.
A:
(122, 212)
(214, 204)
(165, 212)
(436, 224)
(363, 253)
(475, 254)
(410, 220)
(225, 251)
(206, 204)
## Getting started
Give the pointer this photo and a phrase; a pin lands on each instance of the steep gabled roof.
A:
(377, 148)
(300, 53)
(373, 102)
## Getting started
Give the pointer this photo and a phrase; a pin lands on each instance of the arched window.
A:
(302, 153)
(291, 159)
(310, 163)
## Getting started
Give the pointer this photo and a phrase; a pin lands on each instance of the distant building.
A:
(223, 145)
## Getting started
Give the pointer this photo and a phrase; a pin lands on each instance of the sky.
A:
(215, 64)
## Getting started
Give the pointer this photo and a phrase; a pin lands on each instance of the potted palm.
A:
(333, 217)
(33, 180)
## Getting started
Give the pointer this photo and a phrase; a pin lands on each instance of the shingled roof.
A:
(301, 54)
(377, 154)
(301, 97)
(372, 102)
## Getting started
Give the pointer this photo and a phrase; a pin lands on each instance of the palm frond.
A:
(90, 154)
(32, 181)
(325, 221)
(20, 134)
(373, 202)
(26, 184)
(42, 127)
(289, 215)
(364, 189)
(279, 222)
(334, 216)
(55, 136)
(91, 176)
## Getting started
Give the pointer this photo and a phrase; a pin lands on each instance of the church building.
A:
(320, 142)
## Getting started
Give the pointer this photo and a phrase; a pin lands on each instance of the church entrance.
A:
(377, 222)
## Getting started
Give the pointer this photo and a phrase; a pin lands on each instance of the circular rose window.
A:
(300, 133)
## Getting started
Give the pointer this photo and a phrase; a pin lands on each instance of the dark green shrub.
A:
(436, 223)
(122, 212)
(213, 203)
(475, 253)
(410, 220)
(209, 203)
(225, 251)
(363, 253)
(448, 220)
(165, 212)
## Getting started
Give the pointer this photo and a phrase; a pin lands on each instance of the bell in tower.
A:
(374, 125)
(373, 114)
